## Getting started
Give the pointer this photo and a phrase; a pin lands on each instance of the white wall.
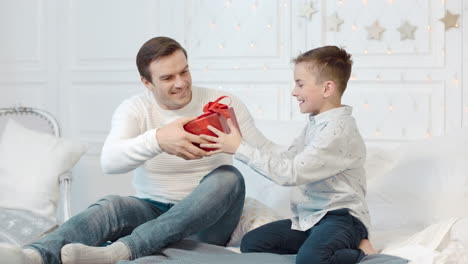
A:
(76, 59)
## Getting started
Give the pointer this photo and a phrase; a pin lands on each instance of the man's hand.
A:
(227, 143)
(174, 140)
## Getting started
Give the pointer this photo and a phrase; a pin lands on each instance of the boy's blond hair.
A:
(329, 63)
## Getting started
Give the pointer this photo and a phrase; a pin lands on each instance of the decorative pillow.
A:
(428, 182)
(255, 214)
(30, 163)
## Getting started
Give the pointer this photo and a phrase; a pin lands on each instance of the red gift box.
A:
(216, 115)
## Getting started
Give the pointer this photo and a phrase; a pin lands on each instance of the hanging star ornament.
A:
(406, 31)
(334, 22)
(308, 10)
(375, 31)
(450, 20)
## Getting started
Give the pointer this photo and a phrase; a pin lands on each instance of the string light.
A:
(429, 28)
(221, 46)
(366, 106)
(340, 3)
(455, 81)
(391, 108)
(390, 2)
(389, 51)
(364, 2)
(212, 24)
(353, 77)
(268, 26)
(354, 27)
(238, 27)
(366, 51)
(378, 133)
(428, 134)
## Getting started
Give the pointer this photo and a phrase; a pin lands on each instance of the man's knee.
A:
(229, 176)
(111, 201)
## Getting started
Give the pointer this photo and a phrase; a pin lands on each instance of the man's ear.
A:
(146, 83)
(329, 88)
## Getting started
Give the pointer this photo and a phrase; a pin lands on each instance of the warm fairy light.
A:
(456, 25)
(353, 77)
(391, 108)
(212, 24)
(390, 1)
(366, 51)
(221, 46)
(428, 134)
(455, 82)
(378, 133)
(366, 106)
(252, 44)
(429, 28)
(389, 51)
(340, 3)
(354, 27)
(268, 26)
(429, 77)
(364, 2)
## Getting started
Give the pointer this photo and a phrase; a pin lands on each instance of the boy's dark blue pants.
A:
(334, 239)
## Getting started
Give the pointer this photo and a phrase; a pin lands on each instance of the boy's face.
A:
(307, 90)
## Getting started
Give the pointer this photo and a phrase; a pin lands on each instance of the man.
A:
(179, 191)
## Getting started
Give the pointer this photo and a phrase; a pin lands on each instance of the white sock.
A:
(32, 256)
(82, 254)
(14, 254)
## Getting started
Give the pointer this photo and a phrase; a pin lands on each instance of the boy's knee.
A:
(250, 243)
(317, 255)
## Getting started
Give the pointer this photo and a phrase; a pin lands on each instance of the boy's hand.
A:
(227, 143)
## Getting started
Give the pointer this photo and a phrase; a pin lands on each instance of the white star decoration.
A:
(375, 31)
(406, 31)
(334, 22)
(308, 10)
(450, 20)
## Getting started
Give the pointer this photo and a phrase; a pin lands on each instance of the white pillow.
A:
(255, 214)
(30, 163)
(428, 182)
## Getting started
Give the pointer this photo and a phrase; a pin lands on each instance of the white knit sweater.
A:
(132, 145)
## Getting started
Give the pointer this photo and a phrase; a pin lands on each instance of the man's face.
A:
(307, 90)
(171, 81)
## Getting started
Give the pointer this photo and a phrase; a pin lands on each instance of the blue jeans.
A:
(209, 214)
(334, 239)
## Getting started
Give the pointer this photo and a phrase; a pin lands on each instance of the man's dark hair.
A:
(154, 49)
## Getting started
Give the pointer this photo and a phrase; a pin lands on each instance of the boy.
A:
(325, 164)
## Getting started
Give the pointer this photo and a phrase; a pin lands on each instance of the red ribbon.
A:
(216, 107)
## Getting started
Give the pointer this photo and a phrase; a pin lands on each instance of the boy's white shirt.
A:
(325, 164)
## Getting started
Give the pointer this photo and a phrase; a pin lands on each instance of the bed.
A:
(416, 194)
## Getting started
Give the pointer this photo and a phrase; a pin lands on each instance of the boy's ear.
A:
(329, 87)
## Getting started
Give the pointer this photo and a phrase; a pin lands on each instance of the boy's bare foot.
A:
(367, 247)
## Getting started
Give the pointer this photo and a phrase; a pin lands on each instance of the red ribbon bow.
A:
(216, 107)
